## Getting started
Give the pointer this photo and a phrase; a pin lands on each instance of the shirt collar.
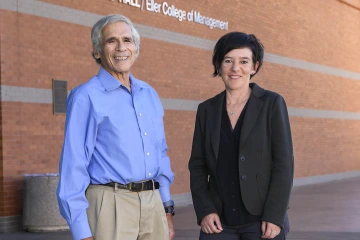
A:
(110, 83)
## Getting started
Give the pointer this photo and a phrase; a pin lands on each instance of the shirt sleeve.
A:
(79, 137)
(167, 176)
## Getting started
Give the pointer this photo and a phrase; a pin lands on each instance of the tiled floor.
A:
(329, 211)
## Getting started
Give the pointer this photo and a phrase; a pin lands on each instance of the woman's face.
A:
(236, 68)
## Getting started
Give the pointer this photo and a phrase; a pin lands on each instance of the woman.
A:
(241, 164)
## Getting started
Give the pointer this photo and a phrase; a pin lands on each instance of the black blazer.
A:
(265, 157)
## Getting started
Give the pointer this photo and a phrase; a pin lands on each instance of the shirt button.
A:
(149, 174)
(243, 177)
(234, 209)
(242, 158)
(140, 114)
(145, 133)
(148, 154)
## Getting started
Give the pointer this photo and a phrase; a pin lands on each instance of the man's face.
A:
(118, 51)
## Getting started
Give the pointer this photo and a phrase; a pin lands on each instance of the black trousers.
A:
(251, 231)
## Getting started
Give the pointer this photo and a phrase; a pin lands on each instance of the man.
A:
(114, 172)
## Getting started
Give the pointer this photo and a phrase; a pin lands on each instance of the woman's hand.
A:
(269, 230)
(211, 224)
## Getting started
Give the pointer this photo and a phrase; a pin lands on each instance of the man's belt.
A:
(135, 186)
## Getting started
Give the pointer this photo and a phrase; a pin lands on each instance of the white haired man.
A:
(115, 174)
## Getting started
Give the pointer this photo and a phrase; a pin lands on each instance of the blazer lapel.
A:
(214, 122)
(252, 113)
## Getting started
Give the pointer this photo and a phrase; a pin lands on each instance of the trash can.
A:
(41, 210)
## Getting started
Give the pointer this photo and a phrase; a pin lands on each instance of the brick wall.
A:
(36, 49)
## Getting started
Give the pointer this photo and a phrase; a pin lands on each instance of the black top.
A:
(234, 211)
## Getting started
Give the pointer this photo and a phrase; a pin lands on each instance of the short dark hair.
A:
(236, 40)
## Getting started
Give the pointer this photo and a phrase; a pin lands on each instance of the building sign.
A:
(60, 94)
(172, 11)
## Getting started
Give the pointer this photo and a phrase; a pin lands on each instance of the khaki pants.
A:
(125, 215)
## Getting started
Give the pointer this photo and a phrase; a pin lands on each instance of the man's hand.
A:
(211, 224)
(269, 230)
(89, 238)
(171, 226)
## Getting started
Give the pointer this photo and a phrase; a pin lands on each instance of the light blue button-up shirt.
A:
(111, 135)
